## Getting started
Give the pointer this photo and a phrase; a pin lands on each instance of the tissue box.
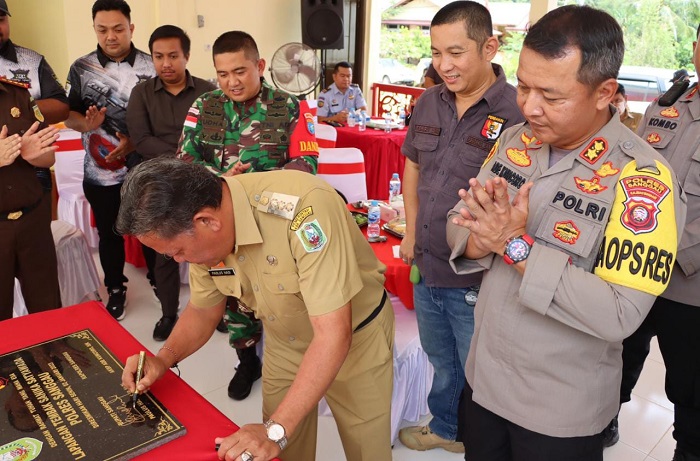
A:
(387, 212)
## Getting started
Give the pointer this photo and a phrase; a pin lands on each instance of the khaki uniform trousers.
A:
(359, 397)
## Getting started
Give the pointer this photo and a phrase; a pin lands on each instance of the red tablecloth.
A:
(397, 272)
(202, 420)
(382, 153)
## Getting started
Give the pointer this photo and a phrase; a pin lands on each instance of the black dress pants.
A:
(489, 437)
(165, 273)
(677, 327)
(105, 201)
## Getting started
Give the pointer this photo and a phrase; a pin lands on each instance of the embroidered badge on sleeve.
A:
(640, 242)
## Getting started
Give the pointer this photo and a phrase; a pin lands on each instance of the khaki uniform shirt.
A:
(675, 133)
(298, 253)
(632, 120)
(546, 350)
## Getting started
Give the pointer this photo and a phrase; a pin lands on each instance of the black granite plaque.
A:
(63, 400)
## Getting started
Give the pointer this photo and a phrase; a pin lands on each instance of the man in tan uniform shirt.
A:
(574, 262)
(284, 244)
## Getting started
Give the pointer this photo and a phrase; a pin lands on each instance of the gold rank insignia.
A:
(15, 112)
(37, 113)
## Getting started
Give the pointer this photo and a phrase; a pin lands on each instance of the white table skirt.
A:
(413, 374)
(77, 274)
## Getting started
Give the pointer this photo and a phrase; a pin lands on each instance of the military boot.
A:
(683, 455)
(249, 370)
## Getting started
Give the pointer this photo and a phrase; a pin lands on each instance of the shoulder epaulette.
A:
(354, 85)
(4, 79)
(326, 90)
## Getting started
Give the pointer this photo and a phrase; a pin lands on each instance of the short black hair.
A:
(111, 5)
(343, 64)
(170, 31)
(475, 16)
(234, 41)
(594, 32)
(620, 89)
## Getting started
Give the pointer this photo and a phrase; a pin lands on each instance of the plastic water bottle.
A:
(373, 215)
(387, 122)
(394, 187)
(362, 122)
(402, 119)
(351, 119)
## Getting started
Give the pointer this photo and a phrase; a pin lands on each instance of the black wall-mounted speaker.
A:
(322, 24)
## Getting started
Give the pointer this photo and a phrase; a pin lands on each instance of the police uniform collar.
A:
(246, 228)
(189, 82)
(8, 51)
(104, 59)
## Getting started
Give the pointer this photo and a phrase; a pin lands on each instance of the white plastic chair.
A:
(73, 207)
(326, 135)
(344, 169)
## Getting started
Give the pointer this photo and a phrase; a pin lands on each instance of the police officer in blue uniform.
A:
(343, 96)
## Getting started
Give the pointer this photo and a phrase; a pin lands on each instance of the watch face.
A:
(275, 432)
(518, 250)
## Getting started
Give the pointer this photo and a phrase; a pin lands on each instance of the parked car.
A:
(644, 84)
(421, 69)
(392, 71)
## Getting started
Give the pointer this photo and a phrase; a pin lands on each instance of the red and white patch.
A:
(492, 127)
(644, 195)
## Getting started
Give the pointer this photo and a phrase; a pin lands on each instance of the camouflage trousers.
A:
(244, 330)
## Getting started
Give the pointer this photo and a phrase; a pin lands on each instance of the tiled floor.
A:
(645, 423)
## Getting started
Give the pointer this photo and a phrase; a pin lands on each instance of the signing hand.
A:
(125, 147)
(10, 148)
(37, 144)
(94, 117)
(153, 369)
(489, 214)
(251, 438)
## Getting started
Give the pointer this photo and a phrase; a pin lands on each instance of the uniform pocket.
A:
(425, 142)
(569, 232)
(691, 184)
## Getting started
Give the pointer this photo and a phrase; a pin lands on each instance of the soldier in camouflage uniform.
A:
(246, 126)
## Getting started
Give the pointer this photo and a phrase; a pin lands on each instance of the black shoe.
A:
(682, 455)
(611, 435)
(163, 328)
(117, 302)
(221, 327)
(247, 372)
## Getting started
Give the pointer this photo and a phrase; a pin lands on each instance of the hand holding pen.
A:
(151, 369)
(139, 375)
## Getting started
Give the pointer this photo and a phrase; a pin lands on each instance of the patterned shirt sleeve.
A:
(51, 88)
(75, 98)
(190, 147)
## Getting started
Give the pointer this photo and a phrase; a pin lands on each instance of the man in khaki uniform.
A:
(574, 262)
(283, 243)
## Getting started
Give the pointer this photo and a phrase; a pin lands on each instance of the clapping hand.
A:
(490, 215)
(37, 144)
(10, 147)
(94, 117)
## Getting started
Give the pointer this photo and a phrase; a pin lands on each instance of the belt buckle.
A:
(15, 215)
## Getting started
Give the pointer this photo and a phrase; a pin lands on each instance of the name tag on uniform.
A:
(221, 271)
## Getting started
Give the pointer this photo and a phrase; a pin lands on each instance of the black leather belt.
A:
(15, 215)
(373, 315)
